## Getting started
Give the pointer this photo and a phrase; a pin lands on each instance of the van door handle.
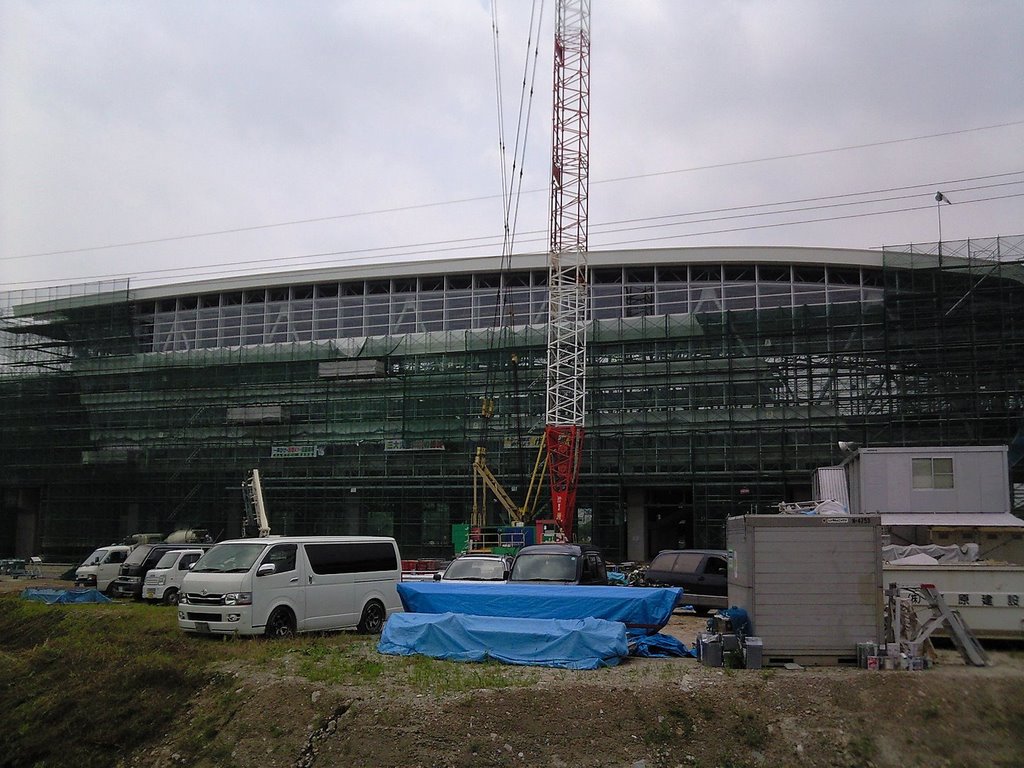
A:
(293, 580)
(310, 579)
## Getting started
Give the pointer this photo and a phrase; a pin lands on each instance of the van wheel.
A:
(171, 597)
(372, 621)
(281, 623)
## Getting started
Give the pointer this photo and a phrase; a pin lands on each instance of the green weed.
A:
(101, 677)
(322, 663)
(441, 677)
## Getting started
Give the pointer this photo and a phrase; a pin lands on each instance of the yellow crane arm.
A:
(483, 477)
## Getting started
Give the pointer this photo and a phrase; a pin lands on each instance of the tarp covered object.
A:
(566, 643)
(647, 608)
(64, 596)
(657, 646)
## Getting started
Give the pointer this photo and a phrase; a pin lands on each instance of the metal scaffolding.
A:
(713, 390)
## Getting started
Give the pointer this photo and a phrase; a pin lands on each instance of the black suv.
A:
(138, 563)
(559, 564)
(702, 573)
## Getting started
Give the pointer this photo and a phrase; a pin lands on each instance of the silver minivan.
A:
(281, 585)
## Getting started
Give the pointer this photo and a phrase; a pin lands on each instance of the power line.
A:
(462, 201)
(355, 256)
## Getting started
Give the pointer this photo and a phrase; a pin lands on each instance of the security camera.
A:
(848, 447)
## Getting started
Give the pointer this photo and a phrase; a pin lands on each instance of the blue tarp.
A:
(645, 608)
(657, 646)
(586, 643)
(64, 596)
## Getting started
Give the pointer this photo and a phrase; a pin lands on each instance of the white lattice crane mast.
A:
(567, 275)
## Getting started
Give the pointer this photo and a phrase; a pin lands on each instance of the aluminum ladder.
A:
(964, 640)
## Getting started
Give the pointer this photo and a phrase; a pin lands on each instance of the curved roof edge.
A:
(632, 257)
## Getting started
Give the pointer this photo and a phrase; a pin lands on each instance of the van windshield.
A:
(168, 559)
(229, 558)
(138, 555)
(544, 567)
(95, 557)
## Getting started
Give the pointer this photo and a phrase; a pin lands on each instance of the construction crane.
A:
(255, 521)
(561, 449)
(567, 271)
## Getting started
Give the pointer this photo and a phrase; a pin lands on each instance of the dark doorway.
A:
(669, 514)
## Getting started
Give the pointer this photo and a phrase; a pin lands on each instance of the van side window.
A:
(664, 562)
(283, 556)
(186, 561)
(351, 557)
(116, 557)
(688, 562)
(716, 566)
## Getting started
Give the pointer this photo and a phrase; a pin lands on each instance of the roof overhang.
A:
(953, 520)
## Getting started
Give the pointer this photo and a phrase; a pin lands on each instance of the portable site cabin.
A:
(937, 495)
(811, 584)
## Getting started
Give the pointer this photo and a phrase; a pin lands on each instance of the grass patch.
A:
(750, 729)
(440, 677)
(862, 748)
(676, 724)
(334, 663)
(81, 683)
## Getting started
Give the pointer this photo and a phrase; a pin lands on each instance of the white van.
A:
(281, 585)
(101, 567)
(163, 580)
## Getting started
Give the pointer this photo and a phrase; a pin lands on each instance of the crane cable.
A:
(512, 175)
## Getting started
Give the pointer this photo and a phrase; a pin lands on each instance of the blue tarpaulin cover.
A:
(585, 643)
(657, 646)
(64, 596)
(646, 608)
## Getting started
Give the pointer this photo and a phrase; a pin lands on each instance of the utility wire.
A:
(484, 248)
(461, 201)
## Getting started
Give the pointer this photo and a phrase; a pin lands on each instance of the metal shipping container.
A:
(811, 584)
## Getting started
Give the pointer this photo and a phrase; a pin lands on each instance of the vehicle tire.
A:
(372, 620)
(281, 623)
(171, 597)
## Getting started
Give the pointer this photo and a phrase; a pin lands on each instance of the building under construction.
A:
(717, 380)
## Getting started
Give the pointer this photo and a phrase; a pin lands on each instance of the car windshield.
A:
(229, 558)
(167, 560)
(544, 567)
(95, 557)
(475, 569)
(138, 555)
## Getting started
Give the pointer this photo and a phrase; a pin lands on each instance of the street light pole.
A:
(939, 199)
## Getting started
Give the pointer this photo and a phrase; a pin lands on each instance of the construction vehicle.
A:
(561, 450)
(255, 523)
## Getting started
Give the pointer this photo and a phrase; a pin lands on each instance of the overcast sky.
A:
(218, 130)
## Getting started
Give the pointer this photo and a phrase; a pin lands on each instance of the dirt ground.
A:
(643, 713)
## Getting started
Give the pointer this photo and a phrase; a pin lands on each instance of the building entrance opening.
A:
(669, 513)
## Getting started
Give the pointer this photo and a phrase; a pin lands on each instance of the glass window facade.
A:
(356, 309)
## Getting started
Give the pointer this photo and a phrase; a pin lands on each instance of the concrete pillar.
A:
(636, 525)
